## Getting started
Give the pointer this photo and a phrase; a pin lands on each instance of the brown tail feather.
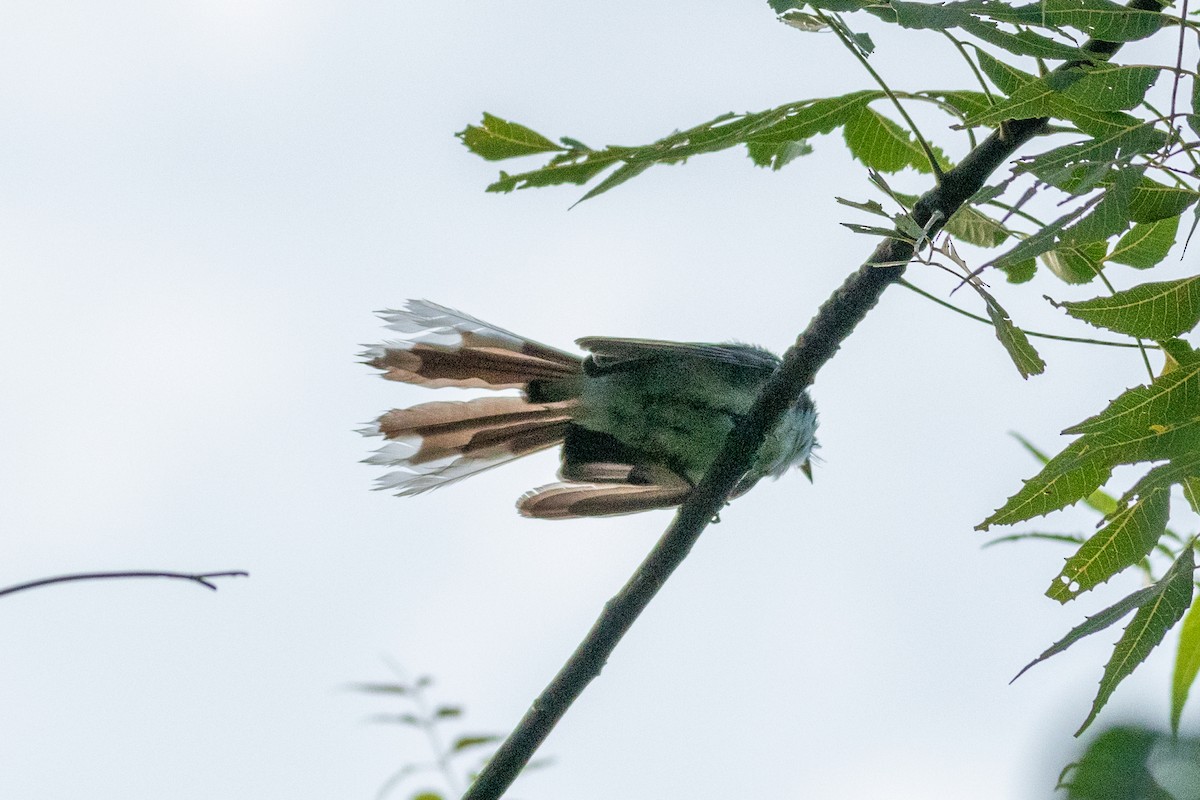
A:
(484, 368)
(567, 500)
(436, 443)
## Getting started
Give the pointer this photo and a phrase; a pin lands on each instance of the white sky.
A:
(201, 203)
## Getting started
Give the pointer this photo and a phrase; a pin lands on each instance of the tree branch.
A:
(202, 578)
(835, 320)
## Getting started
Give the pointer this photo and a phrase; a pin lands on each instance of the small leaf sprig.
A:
(431, 719)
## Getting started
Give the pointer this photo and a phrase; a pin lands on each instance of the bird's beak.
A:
(806, 468)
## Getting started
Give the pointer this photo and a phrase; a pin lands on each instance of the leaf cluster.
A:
(431, 720)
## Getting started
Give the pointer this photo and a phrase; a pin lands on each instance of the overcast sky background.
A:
(201, 203)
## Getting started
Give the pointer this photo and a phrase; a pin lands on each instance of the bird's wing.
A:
(610, 353)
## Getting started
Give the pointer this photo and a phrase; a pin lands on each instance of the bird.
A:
(639, 421)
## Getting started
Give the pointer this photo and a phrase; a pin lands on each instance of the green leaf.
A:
(971, 225)
(1006, 77)
(1094, 624)
(1172, 595)
(556, 173)
(1100, 19)
(1065, 538)
(1146, 244)
(1019, 271)
(1045, 239)
(798, 121)
(1128, 537)
(1152, 201)
(1124, 137)
(1170, 398)
(1087, 463)
(1187, 664)
(1104, 86)
(468, 742)
(382, 688)
(1014, 340)
(1108, 217)
(964, 102)
(446, 712)
(884, 145)
(1114, 762)
(1150, 311)
(776, 154)
(1075, 264)
(427, 796)
(1023, 42)
(1099, 500)
(1191, 493)
(497, 139)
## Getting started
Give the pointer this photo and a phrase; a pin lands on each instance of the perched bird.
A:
(639, 421)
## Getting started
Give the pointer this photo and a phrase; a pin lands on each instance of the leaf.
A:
(1128, 537)
(884, 145)
(496, 139)
(1019, 271)
(1075, 264)
(1045, 239)
(468, 742)
(1104, 86)
(1101, 19)
(1014, 340)
(427, 796)
(1099, 500)
(1116, 761)
(1006, 77)
(1156, 311)
(382, 688)
(1170, 398)
(1086, 464)
(1187, 664)
(1094, 624)
(964, 102)
(399, 719)
(446, 712)
(1172, 595)
(1108, 217)
(971, 225)
(776, 155)
(1123, 138)
(1146, 244)
(1066, 538)
(1152, 201)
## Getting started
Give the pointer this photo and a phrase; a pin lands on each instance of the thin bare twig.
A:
(202, 578)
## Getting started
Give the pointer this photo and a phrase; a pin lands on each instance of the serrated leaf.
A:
(1087, 463)
(1093, 624)
(884, 145)
(625, 172)
(971, 225)
(1110, 216)
(1099, 500)
(468, 742)
(1170, 398)
(1105, 86)
(1152, 201)
(870, 206)
(1075, 264)
(1128, 537)
(1014, 340)
(1187, 664)
(1024, 42)
(1100, 19)
(1006, 77)
(1155, 616)
(1156, 311)
(496, 139)
(805, 120)
(1121, 142)
(1146, 244)
(556, 173)
(1043, 240)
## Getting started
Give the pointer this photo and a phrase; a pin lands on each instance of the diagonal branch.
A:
(835, 320)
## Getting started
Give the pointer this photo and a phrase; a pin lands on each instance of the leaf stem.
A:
(988, 322)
